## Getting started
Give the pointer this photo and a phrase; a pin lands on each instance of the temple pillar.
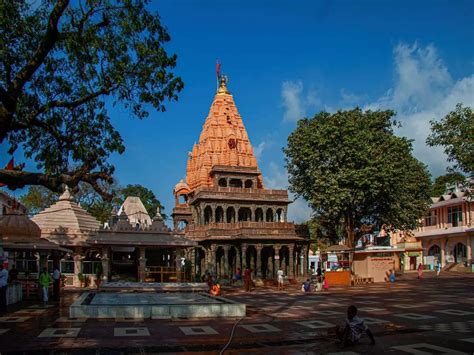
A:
(225, 260)
(443, 254)
(213, 270)
(277, 258)
(141, 264)
(238, 263)
(291, 265)
(105, 263)
(78, 257)
(259, 261)
(304, 254)
(244, 257)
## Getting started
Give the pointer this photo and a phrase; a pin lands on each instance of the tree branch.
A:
(44, 47)
(15, 179)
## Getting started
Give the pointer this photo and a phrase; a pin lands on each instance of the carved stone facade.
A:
(224, 206)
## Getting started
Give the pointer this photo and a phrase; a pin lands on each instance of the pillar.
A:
(141, 264)
(213, 259)
(259, 260)
(105, 263)
(291, 265)
(304, 254)
(77, 267)
(277, 258)
(238, 263)
(244, 257)
(443, 253)
(468, 248)
(225, 259)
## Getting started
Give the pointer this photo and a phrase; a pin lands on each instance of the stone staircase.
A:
(459, 268)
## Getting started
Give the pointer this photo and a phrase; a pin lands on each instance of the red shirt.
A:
(247, 274)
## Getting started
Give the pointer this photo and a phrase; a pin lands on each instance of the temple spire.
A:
(223, 79)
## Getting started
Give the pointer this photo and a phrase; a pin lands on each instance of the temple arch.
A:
(245, 214)
(230, 215)
(208, 215)
(269, 215)
(259, 215)
(219, 215)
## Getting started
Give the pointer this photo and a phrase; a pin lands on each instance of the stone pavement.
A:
(433, 315)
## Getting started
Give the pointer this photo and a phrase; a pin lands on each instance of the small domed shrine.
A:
(224, 205)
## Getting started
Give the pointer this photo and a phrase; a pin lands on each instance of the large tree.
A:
(350, 167)
(62, 64)
(455, 132)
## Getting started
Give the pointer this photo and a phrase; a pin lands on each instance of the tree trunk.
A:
(349, 225)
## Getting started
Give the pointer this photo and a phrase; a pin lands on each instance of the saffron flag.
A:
(218, 69)
(9, 166)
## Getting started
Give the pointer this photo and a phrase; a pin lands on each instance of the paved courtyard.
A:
(434, 315)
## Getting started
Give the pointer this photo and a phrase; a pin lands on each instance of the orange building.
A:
(224, 205)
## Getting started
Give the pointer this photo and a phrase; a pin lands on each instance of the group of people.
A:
(8, 277)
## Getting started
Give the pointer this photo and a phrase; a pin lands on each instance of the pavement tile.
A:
(131, 332)
(60, 333)
(424, 348)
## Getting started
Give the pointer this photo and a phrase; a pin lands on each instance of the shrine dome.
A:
(18, 227)
(180, 186)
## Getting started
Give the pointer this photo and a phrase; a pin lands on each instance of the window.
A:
(431, 219)
(235, 183)
(67, 266)
(248, 184)
(90, 267)
(455, 215)
(222, 182)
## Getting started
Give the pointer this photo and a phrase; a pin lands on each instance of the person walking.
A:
(420, 271)
(438, 268)
(248, 279)
(56, 283)
(280, 280)
(3, 288)
(45, 280)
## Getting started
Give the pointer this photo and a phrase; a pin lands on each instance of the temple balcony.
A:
(240, 194)
(278, 230)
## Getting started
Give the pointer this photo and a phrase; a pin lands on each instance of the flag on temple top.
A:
(218, 69)
(9, 166)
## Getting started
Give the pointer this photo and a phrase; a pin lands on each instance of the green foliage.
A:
(353, 170)
(61, 63)
(438, 187)
(147, 196)
(38, 198)
(455, 132)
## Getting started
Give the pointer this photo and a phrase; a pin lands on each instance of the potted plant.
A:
(82, 279)
(98, 274)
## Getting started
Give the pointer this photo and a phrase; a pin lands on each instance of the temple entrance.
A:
(163, 265)
(268, 263)
(251, 259)
(460, 253)
(124, 263)
(285, 260)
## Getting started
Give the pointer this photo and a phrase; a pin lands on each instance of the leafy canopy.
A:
(353, 170)
(438, 187)
(61, 63)
(455, 132)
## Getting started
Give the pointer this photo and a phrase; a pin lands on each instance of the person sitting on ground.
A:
(353, 329)
(216, 290)
(392, 276)
(306, 287)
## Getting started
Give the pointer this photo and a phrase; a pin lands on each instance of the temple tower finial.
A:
(223, 80)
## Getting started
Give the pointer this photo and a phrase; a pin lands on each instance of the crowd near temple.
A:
(225, 220)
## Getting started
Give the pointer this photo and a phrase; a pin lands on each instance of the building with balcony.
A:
(224, 206)
(447, 232)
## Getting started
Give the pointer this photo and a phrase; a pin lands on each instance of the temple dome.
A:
(181, 185)
(18, 227)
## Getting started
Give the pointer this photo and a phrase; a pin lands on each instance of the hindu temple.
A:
(225, 207)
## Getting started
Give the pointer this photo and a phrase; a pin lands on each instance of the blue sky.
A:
(289, 59)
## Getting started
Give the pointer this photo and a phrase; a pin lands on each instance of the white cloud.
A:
(423, 90)
(258, 150)
(295, 101)
(298, 211)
